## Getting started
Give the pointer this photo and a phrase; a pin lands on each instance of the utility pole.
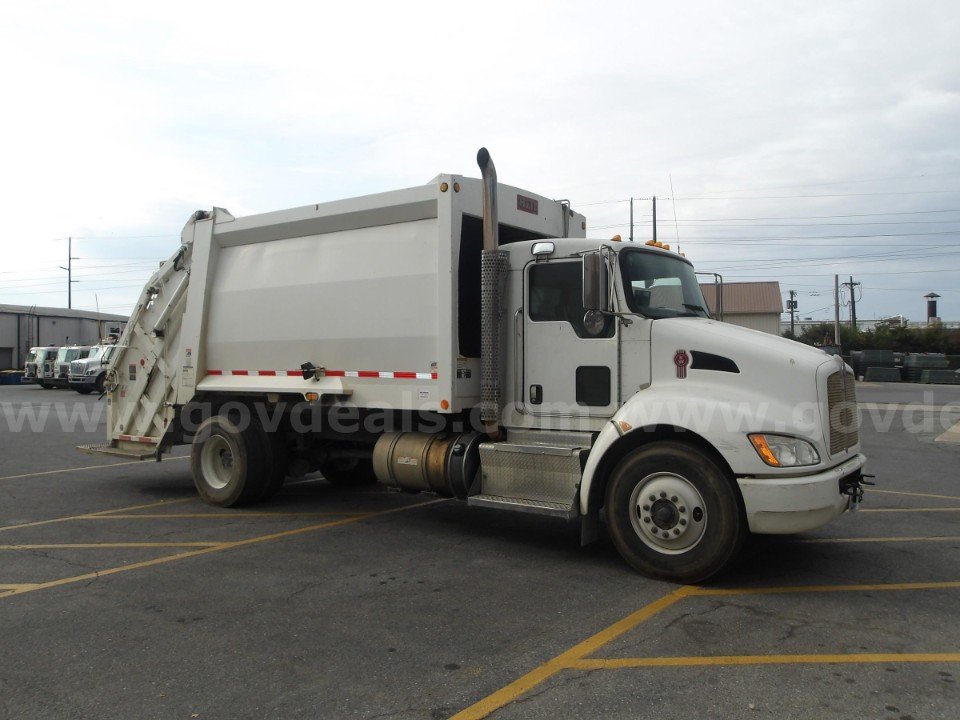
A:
(853, 301)
(792, 307)
(836, 310)
(654, 218)
(69, 269)
(631, 219)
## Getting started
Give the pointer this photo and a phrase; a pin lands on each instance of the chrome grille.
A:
(76, 368)
(842, 409)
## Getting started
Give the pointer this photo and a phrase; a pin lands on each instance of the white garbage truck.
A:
(464, 338)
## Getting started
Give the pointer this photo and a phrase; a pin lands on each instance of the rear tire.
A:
(227, 462)
(673, 514)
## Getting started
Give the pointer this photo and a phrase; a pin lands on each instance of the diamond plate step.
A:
(536, 507)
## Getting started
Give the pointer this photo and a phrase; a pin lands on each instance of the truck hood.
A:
(781, 382)
(751, 350)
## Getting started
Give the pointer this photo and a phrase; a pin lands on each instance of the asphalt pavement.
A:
(122, 595)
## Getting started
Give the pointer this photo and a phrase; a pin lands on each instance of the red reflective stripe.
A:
(384, 374)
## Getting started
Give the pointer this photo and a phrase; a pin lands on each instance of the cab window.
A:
(556, 295)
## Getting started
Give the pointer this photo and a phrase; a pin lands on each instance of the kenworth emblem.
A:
(681, 360)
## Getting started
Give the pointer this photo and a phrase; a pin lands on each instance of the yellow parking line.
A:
(535, 677)
(929, 538)
(621, 663)
(11, 588)
(701, 591)
(87, 546)
(914, 494)
(217, 548)
(226, 515)
(99, 513)
(86, 467)
(576, 657)
(903, 510)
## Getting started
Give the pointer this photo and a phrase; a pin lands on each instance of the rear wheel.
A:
(673, 514)
(228, 461)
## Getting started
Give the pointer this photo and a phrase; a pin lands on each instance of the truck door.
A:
(566, 371)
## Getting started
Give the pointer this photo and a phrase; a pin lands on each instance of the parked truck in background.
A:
(87, 374)
(464, 338)
(39, 367)
(65, 356)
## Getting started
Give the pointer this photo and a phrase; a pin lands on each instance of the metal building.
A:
(754, 305)
(23, 327)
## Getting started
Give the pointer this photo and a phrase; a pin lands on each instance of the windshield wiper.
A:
(690, 306)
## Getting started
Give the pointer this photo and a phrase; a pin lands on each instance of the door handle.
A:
(536, 394)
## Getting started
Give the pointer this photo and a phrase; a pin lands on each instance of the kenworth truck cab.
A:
(465, 338)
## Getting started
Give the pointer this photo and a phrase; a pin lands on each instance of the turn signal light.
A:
(760, 444)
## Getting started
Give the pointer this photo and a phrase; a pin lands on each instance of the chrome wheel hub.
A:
(668, 513)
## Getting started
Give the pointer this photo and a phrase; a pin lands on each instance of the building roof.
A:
(745, 297)
(60, 312)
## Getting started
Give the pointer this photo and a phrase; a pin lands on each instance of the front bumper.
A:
(81, 380)
(777, 506)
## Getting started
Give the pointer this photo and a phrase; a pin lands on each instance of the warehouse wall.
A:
(53, 330)
(765, 322)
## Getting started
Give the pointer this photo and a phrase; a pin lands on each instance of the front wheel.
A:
(673, 514)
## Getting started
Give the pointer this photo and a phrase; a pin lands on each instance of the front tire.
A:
(673, 514)
(228, 462)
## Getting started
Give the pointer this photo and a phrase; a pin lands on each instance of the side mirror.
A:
(595, 293)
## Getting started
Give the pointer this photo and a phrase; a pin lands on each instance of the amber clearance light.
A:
(766, 454)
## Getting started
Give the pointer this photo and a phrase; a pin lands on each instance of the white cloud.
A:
(127, 117)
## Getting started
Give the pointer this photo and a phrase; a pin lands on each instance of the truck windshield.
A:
(31, 357)
(660, 286)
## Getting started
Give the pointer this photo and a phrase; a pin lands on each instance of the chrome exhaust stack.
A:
(493, 276)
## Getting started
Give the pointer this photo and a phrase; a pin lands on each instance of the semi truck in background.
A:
(38, 367)
(464, 338)
(88, 374)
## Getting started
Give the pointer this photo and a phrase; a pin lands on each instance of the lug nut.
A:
(673, 498)
(646, 507)
(662, 494)
(682, 509)
(683, 521)
(646, 520)
(676, 532)
(653, 498)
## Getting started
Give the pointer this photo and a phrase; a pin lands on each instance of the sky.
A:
(784, 141)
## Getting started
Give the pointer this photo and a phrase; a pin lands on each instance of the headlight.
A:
(91, 371)
(783, 450)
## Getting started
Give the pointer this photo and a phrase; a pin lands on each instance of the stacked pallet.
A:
(882, 374)
(942, 377)
(915, 365)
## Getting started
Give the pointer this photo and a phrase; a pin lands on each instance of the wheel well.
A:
(639, 437)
